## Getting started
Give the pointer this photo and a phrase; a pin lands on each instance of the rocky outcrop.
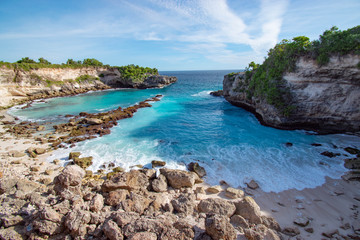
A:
(58, 82)
(324, 98)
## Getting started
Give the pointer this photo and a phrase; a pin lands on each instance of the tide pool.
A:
(189, 125)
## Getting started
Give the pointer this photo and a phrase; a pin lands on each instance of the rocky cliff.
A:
(323, 98)
(22, 85)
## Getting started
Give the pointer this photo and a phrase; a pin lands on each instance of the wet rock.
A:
(301, 221)
(97, 203)
(40, 128)
(214, 189)
(316, 144)
(84, 162)
(252, 185)
(73, 155)
(352, 163)
(219, 227)
(159, 184)
(217, 206)
(309, 230)
(185, 203)
(196, 168)
(217, 93)
(291, 231)
(351, 150)
(115, 197)
(330, 154)
(234, 193)
(133, 180)
(112, 231)
(157, 163)
(178, 178)
(288, 144)
(249, 209)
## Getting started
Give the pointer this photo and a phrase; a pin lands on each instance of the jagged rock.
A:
(219, 227)
(11, 220)
(73, 155)
(93, 121)
(72, 175)
(123, 218)
(291, 231)
(330, 154)
(214, 189)
(252, 185)
(115, 197)
(47, 227)
(144, 236)
(136, 203)
(157, 163)
(40, 128)
(83, 162)
(217, 93)
(217, 206)
(301, 221)
(26, 186)
(185, 203)
(352, 163)
(234, 193)
(133, 180)
(10, 234)
(196, 168)
(50, 214)
(76, 221)
(178, 178)
(159, 184)
(271, 223)
(112, 231)
(249, 209)
(351, 150)
(7, 185)
(97, 203)
(239, 221)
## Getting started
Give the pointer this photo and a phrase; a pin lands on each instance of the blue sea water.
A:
(189, 125)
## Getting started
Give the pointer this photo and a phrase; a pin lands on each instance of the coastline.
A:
(331, 208)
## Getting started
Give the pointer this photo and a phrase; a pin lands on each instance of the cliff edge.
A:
(323, 98)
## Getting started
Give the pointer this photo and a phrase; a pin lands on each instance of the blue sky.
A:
(166, 34)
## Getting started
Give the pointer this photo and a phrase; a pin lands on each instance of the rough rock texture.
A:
(217, 206)
(219, 227)
(326, 97)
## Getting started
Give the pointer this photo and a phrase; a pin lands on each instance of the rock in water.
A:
(196, 168)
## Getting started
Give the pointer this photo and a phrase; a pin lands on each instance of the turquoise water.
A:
(188, 125)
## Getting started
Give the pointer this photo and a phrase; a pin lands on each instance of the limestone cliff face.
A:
(326, 98)
(52, 82)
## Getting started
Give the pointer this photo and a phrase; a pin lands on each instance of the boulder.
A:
(133, 180)
(157, 163)
(185, 203)
(16, 154)
(40, 151)
(351, 150)
(214, 189)
(72, 175)
(11, 220)
(76, 221)
(291, 231)
(115, 197)
(219, 227)
(301, 221)
(124, 218)
(239, 221)
(97, 203)
(352, 163)
(217, 206)
(84, 162)
(234, 193)
(10, 234)
(248, 208)
(330, 154)
(196, 168)
(252, 185)
(136, 203)
(178, 178)
(73, 155)
(144, 236)
(6, 185)
(159, 184)
(112, 231)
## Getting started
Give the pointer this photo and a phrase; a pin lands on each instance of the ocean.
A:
(189, 124)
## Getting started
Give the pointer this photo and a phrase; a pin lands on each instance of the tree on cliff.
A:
(26, 60)
(44, 61)
(92, 62)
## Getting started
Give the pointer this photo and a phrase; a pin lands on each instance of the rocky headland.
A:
(18, 86)
(324, 98)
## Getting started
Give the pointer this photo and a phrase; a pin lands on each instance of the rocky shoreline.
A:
(44, 200)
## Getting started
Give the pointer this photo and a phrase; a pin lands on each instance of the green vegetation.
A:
(135, 73)
(265, 81)
(83, 78)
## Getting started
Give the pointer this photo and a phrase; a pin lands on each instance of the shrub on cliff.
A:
(136, 73)
(265, 80)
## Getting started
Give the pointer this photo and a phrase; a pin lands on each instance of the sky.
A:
(165, 34)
